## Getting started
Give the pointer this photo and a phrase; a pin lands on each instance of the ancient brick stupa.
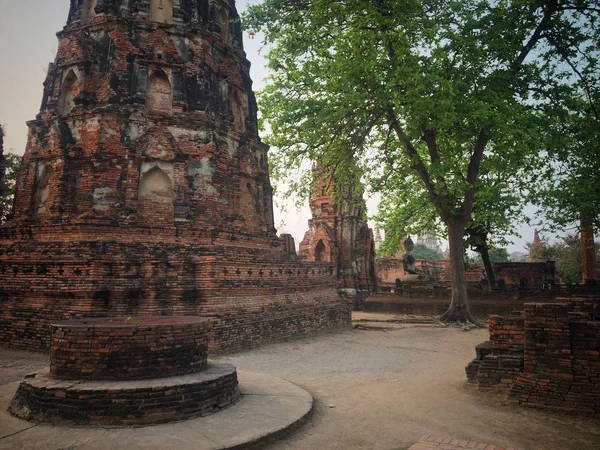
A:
(144, 188)
(127, 372)
(339, 234)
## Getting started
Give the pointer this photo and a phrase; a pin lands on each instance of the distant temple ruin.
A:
(339, 234)
(144, 188)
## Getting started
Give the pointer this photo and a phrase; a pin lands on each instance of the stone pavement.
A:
(269, 408)
(431, 442)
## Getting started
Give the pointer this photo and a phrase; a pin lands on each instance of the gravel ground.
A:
(385, 386)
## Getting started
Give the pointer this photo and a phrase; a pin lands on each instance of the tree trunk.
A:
(459, 311)
(489, 269)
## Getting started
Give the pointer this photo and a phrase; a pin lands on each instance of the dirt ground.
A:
(384, 386)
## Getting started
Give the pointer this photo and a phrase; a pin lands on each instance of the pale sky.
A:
(28, 44)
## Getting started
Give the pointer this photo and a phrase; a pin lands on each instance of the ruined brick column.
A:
(339, 234)
(144, 188)
(588, 252)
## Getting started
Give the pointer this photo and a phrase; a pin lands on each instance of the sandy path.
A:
(384, 387)
(390, 387)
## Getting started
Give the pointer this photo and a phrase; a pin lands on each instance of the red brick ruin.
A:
(588, 253)
(547, 356)
(338, 234)
(144, 188)
(129, 373)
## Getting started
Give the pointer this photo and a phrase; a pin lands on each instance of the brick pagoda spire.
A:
(340, 235)
(144, 187)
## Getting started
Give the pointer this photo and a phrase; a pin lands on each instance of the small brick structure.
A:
(122, 349)
(500, 360)
(119, 372)
(549, 357)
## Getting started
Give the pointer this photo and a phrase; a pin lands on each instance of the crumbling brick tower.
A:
(339, 234)
(144, 187)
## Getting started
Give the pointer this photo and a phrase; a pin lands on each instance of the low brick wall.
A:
(129, 403)
(548, 358)
(500, 360)
(112, 349)
(437, 301)
(304, 313)
(507, 333)
(253, 294)
(562, 358)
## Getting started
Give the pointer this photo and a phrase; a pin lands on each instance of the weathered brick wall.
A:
(562, 362)
(48, 280)
(126, 403)
(507, 332)
(388, 270)
(558, 347)
(499, 361)
(526, 275)
(144, 188)
(435, 270)
(117, 349)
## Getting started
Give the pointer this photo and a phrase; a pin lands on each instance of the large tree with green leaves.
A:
(9, 166)
(421, 251)
(2, 173)
(420, 97)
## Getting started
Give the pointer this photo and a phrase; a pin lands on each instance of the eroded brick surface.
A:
(117, 349)
(133, 200)
(547, 358)
(340, 235)
(126, 403)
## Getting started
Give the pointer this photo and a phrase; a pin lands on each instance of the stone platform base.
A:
(42, 399)
(269, 408)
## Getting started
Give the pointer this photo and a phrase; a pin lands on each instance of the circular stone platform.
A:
(43, 399)
(270, 407)
(128, 348)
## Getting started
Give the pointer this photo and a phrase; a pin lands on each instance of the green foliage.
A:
(13, 162)
(567, 254)
(417, 92)
(570, 190)
(496, 255)
(541, 252)
(441, 106)
(421, 251)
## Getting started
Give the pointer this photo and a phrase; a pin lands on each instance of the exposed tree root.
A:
(461, 317)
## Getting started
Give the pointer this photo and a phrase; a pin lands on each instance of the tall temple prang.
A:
(144, 187)
(339, 234)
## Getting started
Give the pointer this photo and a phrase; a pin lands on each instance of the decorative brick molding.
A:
(123, 349)
(145, 191)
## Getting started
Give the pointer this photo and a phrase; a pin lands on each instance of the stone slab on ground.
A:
(432, 442)
(362, 316)
(269, 408)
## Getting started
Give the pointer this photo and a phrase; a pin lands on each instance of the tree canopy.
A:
(421, 251)
(426, 101)
(12, 163)
(566, 253)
